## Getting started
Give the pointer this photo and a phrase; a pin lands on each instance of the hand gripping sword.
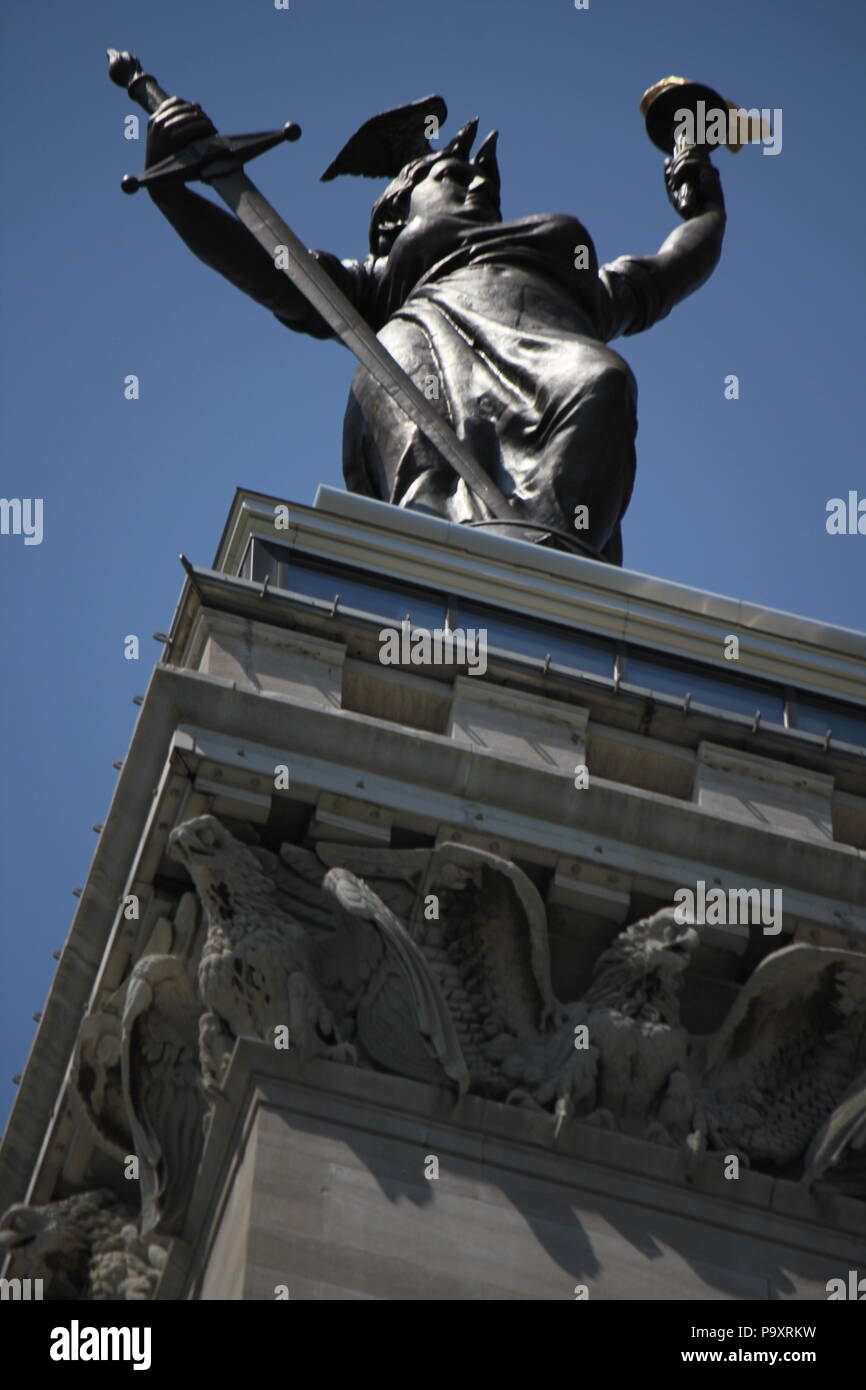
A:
(218, 161)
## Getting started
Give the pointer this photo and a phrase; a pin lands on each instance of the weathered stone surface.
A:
(331, 1200)
(302, 669)
(765, 792)
(520, 728)
(444, 972)
(84, 1247)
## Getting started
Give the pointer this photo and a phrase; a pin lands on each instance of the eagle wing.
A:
(96, 1088)
(481, 926)
(791, 1046)
(372, 975)
(403, 1019)
(162, 1087)
(395, 875)
(493, 925)
(839, 1148)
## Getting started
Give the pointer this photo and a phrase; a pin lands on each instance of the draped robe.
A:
(503, 326)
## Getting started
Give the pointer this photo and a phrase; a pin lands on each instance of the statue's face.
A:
(453, 186)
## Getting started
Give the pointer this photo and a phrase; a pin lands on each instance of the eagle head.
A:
(215, 861)
(234, 881)
(642, 969)
(660, 943)
(197, 841)
(38, 1231)
(66, 1228)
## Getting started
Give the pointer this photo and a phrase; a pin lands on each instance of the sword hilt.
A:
(126, 71)
(203, 158)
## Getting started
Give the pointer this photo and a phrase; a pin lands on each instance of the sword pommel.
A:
(122, 67)
(126, 70)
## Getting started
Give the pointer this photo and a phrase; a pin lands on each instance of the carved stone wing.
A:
(162, 1087)
(400, 997)
(372, 975)
(481, 925)
(788, 1051)
(395, 875)
(839, 1148)
(493, 923)
(96, 1086)
(485, 903)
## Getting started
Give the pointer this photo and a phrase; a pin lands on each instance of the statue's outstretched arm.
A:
(643, 289)
(225, 245)
(214, 235)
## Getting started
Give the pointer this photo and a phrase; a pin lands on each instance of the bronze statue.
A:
(503, 326)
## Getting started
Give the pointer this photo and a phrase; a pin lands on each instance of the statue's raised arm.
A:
(644, 289)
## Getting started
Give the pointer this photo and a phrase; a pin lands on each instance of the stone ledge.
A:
(719, 1238)
(769, 770)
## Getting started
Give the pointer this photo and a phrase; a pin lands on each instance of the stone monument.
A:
(463, 925)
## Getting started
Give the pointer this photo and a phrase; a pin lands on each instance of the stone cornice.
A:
(560, 588)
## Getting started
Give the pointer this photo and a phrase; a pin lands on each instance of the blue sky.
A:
(730, 495)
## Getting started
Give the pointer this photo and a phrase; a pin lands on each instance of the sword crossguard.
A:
(201, 159)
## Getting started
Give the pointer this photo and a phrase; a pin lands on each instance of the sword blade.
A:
(251, 207)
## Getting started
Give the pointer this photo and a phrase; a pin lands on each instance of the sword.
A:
(218, 161)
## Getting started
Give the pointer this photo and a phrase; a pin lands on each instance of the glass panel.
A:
(265, 561)
(379, 598)
(847, 727)
(575, 650)
(246, 569)
(676, 678)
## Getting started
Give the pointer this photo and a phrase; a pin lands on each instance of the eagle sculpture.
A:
(613, 1057)
(137, 1081)
(162, 1087)
(782, 1078)
(291, 946)
(434, 964)
(83, 1247)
